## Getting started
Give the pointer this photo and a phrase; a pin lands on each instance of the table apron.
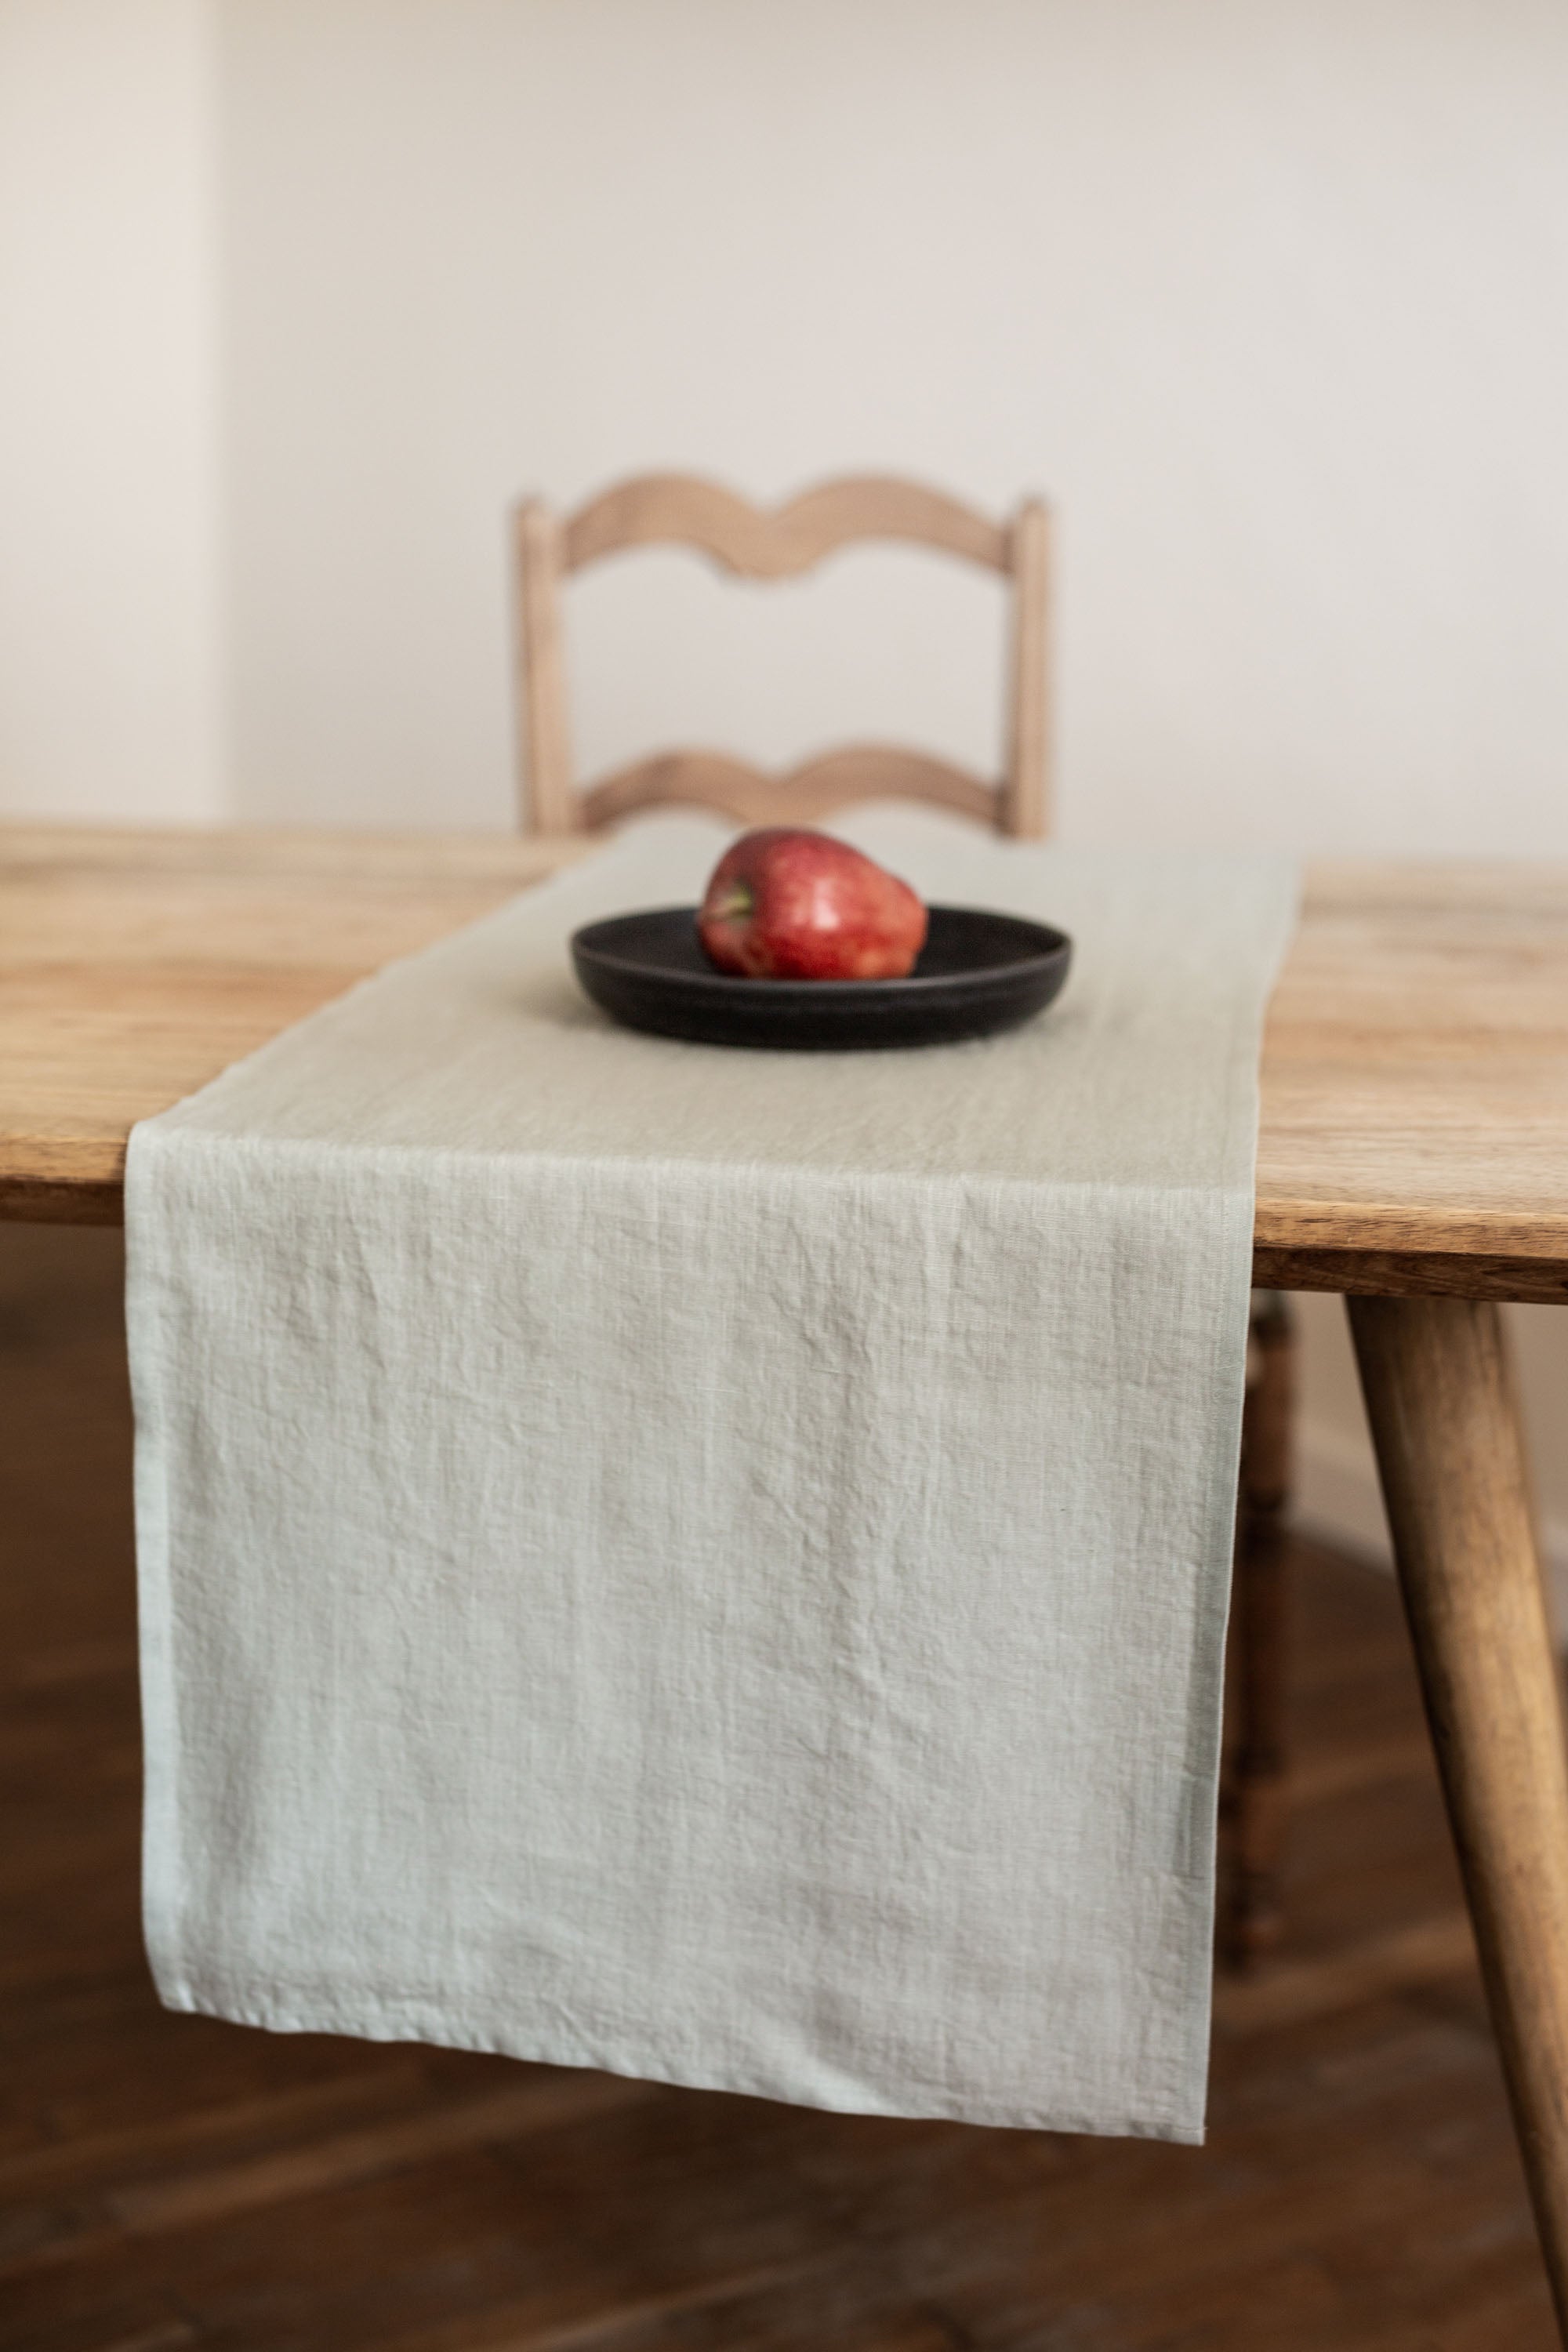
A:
(1411, 1274)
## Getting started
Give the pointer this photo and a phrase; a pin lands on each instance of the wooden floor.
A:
(169, 2181)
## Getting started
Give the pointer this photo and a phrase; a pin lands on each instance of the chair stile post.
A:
(548, 802)
(1026, 810)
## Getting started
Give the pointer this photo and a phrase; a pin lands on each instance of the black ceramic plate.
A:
(977, 973)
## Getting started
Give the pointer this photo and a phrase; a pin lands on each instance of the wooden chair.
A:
(757, 544)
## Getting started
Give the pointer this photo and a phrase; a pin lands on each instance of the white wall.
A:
(110, 620)
(1271, 298)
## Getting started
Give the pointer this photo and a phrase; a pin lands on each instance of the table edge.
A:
(1370, 1268)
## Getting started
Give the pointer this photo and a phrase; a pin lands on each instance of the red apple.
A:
(787, 904)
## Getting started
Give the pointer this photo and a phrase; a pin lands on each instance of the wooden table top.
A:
(1414, 1117)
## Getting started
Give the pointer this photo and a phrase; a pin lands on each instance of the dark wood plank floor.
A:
(170, 2182)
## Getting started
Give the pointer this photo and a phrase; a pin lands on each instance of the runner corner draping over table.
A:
(705, 1564)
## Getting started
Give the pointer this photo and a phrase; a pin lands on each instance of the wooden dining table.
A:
(1413, 1155)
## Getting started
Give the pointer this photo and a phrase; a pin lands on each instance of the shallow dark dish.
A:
(977, 973)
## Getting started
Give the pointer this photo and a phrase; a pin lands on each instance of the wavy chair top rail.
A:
(759, 544)
(776, 544)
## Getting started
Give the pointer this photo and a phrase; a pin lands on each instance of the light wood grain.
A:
(756, 543)
(135, 966)
(1415, 1082)
(1445, 1426)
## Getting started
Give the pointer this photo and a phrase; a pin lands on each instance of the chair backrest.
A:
(660, 509)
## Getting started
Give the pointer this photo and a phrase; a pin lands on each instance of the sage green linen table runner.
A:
(709, 1564)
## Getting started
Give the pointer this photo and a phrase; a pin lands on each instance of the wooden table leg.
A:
(1444, 1420)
